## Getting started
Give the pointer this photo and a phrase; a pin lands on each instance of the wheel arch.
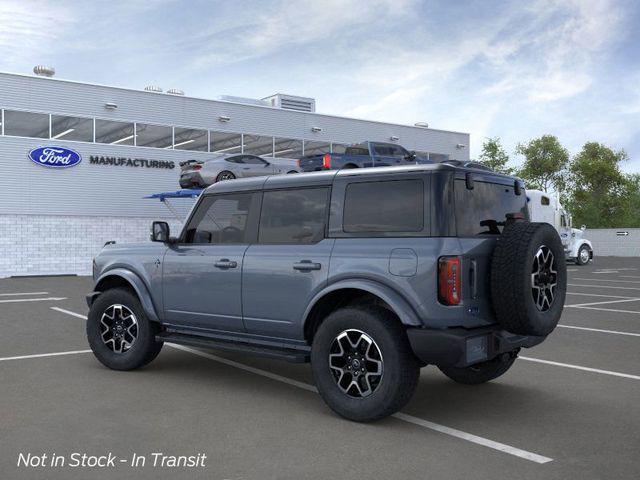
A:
(121, 277)
(355, 292)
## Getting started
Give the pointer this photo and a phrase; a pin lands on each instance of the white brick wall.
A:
(53, 245)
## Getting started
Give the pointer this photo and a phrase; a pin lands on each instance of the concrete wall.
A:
(608, 243)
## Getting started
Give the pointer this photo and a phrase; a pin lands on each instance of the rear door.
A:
(290, 262)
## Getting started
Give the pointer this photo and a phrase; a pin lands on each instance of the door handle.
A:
(226, 263)
(306, 265)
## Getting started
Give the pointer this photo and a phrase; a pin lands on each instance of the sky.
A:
(509, 69)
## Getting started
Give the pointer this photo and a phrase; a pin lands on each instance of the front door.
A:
(202, 272)
(290, 262)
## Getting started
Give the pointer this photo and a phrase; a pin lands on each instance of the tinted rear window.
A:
(478, 210)
(392, 206)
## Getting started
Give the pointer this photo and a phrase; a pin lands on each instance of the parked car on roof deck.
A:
(366, 154)
(201, 174)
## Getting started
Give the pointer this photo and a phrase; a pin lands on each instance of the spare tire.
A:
(528, 278)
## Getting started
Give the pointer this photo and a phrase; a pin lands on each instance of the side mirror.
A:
(411, 156)
(583, 228)
(159, 232)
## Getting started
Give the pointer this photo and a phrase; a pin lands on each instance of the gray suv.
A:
(370, 274)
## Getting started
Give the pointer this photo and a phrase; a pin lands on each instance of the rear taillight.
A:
(449, 292)
(196, 167)
(326, 161)
(298, 163)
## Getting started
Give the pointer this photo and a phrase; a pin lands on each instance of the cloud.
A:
(30, 29)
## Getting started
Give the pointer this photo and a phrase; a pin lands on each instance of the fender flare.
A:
(137, 284)
(398, 304)
(577, 246)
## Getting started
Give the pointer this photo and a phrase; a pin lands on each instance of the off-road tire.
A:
(400, 367)
(579, 256)
(512, 264)
(142, 351)
(482, 372)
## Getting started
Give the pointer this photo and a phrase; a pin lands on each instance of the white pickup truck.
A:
(545, 208)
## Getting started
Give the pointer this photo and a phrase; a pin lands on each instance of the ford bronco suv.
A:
(369, 274)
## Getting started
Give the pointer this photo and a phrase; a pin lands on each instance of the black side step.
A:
(287, 354)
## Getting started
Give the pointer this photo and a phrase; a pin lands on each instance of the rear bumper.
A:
(460, 347)
(192, 179)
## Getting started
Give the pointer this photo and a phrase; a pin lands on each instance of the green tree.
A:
(494, 156)
(545, 163)
(600, 194)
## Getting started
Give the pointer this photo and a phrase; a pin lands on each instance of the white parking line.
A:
(40, 355)
(48, 299)
(27, 293)
(596, 295)
(533, 457)
(68, 312)
(579, 367)
(629, 276)
(607, 280)
(615, 332)
(611, 310)
(603, 303)
(603, 286)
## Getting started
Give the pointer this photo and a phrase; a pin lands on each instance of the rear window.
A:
(479, 211)
(391, 206)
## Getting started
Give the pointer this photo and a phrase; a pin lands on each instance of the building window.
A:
(257, 145)
(316, 148)
(287, 148)
(190, 139)
(293, 216)
(225, 142)
(339, 148)
(71, 128)
(391, 206)
(115, 133)
(438, 157)
(157, 136)
(545, 200)
(26, 124)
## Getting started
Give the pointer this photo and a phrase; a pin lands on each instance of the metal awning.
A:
(164, 197)
(184, 193)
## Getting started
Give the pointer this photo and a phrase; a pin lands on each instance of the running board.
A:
(287, 354)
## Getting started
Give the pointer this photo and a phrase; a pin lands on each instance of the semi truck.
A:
(544, 207)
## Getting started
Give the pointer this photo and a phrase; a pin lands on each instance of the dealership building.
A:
(120, 145)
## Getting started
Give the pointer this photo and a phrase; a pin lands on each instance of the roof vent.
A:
(291, 102)
(175, 91)
(43, 71)
(153, 88)
(422, 124)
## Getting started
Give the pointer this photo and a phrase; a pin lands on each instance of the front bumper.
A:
(459, 347)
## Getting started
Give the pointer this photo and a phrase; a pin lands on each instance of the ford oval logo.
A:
(56, 157)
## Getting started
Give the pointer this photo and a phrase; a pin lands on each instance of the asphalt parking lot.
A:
(569, 408)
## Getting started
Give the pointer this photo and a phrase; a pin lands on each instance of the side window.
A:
(293, 216)
(221, 219)
(238, 159)
(253, 160)
(382, 150)
(398, 151)
(389, 206)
